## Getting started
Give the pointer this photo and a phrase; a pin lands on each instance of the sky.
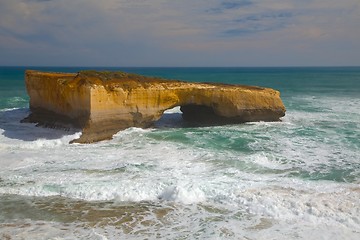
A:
(180, 33)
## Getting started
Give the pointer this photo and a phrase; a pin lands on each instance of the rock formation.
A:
(103, 103)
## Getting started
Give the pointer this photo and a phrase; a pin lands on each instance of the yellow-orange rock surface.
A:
(103, 103)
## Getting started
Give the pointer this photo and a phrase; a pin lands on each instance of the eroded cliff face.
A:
(103, 103)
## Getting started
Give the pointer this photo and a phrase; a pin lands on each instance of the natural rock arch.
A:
(103, 103)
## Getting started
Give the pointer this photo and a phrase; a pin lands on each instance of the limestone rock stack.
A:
(103, 103)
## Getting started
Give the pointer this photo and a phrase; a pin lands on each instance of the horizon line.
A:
(98, 66)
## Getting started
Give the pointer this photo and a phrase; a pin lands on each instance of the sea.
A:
(298, 178)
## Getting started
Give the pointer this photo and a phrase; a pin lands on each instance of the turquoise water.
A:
(294, 179)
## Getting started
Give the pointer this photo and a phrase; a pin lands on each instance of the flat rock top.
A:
(128, 80)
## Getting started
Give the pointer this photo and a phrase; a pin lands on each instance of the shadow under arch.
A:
(192, 115)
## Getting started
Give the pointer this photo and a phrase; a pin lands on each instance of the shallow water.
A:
(294, 179)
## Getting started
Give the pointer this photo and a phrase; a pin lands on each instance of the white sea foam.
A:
(184, 193)
(218, 178)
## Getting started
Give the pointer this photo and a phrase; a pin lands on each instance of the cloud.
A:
(235, 4)
(226, 5)
(164, 32)
(260, 22)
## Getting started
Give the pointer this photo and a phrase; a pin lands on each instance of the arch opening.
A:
(200, 114)
(192, 115)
